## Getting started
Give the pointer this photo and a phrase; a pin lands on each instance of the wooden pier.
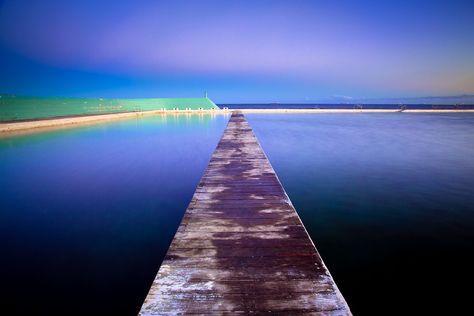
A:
(241, 247)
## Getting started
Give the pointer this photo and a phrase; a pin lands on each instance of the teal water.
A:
(87, 214)
(388, 200)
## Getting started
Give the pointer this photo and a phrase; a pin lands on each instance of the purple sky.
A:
(238, 51)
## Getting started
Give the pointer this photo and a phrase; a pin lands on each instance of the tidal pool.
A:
(87, 213)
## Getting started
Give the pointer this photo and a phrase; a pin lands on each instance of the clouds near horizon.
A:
(364, 49)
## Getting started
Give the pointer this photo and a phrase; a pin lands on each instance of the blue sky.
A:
(238, 51)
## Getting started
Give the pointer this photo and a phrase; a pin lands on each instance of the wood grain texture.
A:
(241, 247)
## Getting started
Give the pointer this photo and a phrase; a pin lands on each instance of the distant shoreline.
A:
(30, 126)
(350, 106)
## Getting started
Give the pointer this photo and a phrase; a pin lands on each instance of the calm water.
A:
(87, 214)
(388, 200)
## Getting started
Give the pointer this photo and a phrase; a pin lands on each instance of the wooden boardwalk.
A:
(241, 247)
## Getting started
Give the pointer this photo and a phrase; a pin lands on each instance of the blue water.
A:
(388, 200)
(87, 214)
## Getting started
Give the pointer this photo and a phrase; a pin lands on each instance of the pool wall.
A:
(15, 108)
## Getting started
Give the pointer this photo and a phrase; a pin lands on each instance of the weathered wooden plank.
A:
(241, 247)
(242, 243)
(251, 252)
(168, 273)
(249, 236)
(279, 263)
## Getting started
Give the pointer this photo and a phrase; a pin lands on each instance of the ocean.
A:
(346, 106)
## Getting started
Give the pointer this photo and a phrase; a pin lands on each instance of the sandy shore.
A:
(270, 111)
(48, 124)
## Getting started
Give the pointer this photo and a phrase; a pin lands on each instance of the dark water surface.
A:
(345, 106)
(389, 201)
(87, 214)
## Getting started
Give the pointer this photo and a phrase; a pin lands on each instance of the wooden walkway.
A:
(241, 247)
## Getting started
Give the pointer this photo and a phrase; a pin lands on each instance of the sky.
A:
(237, 51)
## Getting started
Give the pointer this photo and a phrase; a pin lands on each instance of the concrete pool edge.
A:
(316, 111)
(63, 122)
